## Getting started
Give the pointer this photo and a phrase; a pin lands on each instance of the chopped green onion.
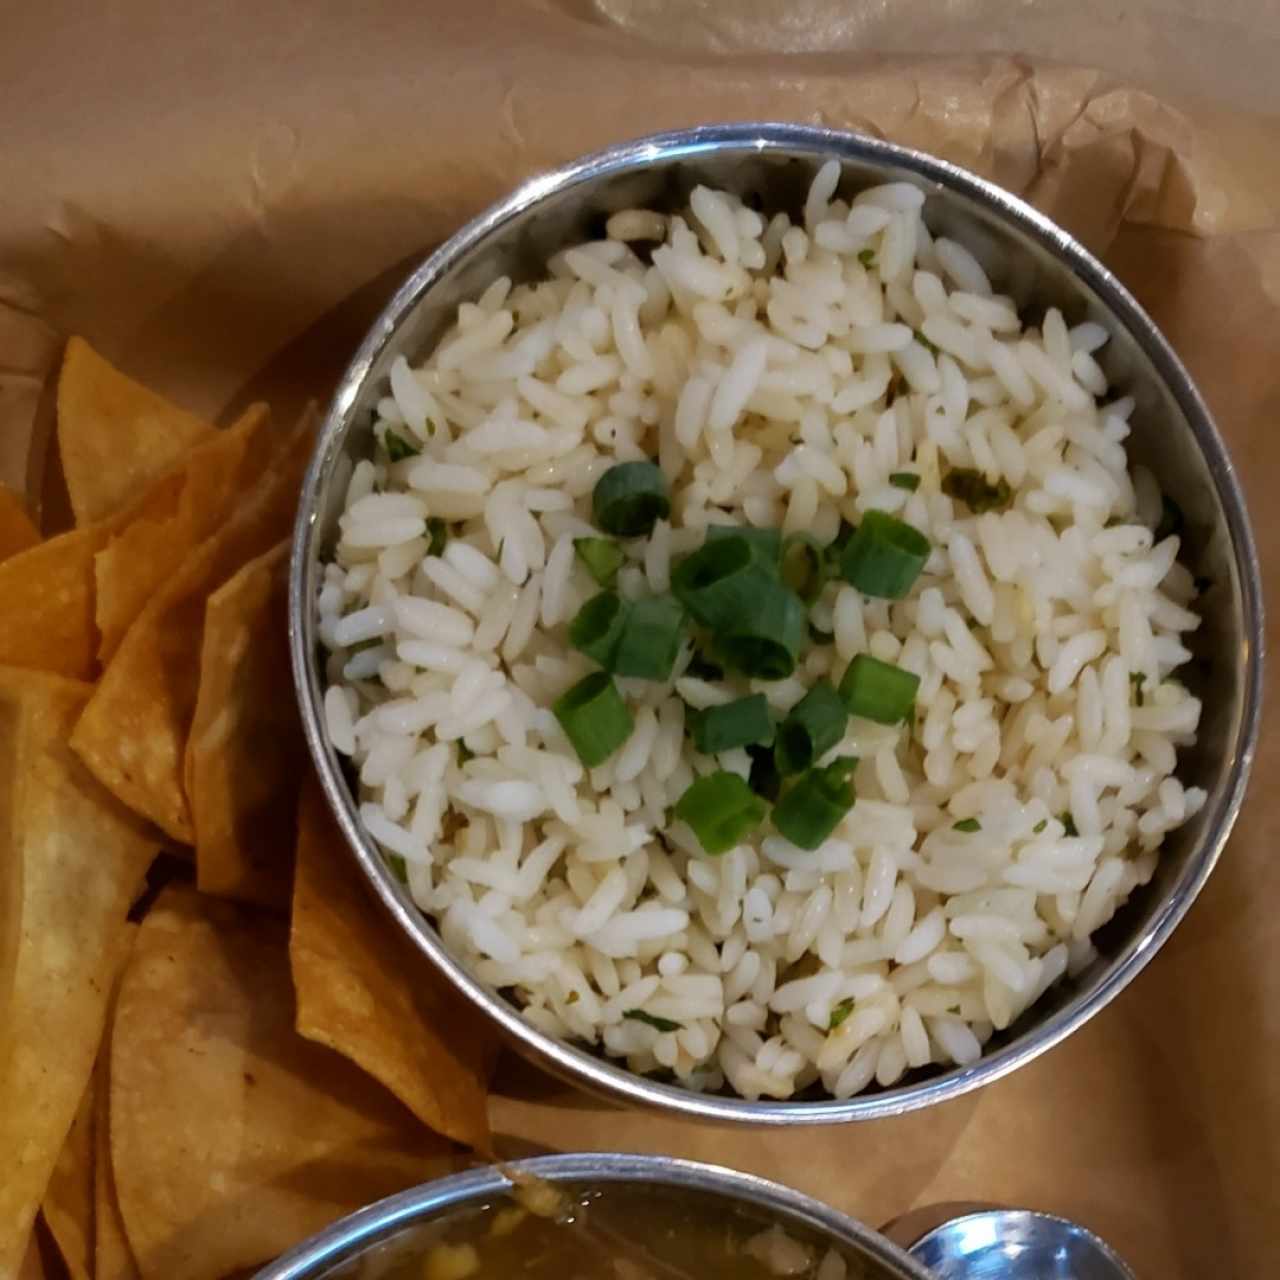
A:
(878, 690)
(1068, 823)
(1040, 826)
(804, 567)
(764, 779)
(977, 492)
(967, 825)
(835, 548)
(650, 639)
(839, 1014)
(812, 727)
(884, 556)
(702, 668)
(652, 1020)
(765, 544)
(398, 448)
(739, 723)
(907, 480)
(630, 498)
(867, 257)
(766, 644)
(598, 627)
(594, 718)
(1171, 519)
(721, 810)
(602, 558)
(815, 804)
(398, 868)
(718, 582)
(437, 534)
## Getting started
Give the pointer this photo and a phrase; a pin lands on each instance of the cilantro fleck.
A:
(907, 480)
(652, 1020)
(398, 448)
(967, 825)
(840, 1013)
(438, 533)
(867, 257)
(973, 489)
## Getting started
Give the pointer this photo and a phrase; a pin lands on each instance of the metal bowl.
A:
(1027, 256)
(404, 1223)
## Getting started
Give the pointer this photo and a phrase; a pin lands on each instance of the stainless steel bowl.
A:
(1026, 256)
(402, 1223)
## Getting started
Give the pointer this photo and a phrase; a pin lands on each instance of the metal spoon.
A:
(1016, 1244)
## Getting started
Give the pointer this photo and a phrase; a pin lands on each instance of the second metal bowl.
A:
(1026, 256)
(404, 1224)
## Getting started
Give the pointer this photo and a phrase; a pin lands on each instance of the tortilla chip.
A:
(67, 1208)
(115, 436)
(40, 1261)
(17, 530)
(232, 1137)
(133, 733)
(112, 1256)
(142, 556)
(245, 753)
(46, 593)
(72, 860)
(363, 990)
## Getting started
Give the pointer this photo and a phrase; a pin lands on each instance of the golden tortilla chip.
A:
(67, 1208)
(133, 733)
(46, 593)
(112, 1256)
(17, 531)
(39, 1262)
(245, 753)
(146, 553)
(115, 436)
(232, 1137)
(71, 862)
(363, 990)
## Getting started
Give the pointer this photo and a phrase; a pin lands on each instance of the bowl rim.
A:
(604, 1076)
(420, 1203)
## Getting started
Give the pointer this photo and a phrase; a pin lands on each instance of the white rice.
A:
(781, 374)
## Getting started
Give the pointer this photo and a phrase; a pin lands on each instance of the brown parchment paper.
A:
(219, 195)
